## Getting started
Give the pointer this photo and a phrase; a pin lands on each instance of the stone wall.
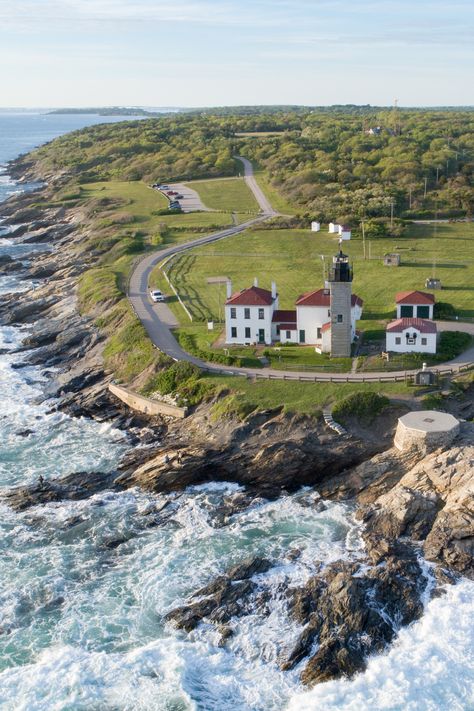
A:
(146, 404)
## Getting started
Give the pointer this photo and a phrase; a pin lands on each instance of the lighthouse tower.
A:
(340, 286)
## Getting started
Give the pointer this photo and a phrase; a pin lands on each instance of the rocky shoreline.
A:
(413, 506)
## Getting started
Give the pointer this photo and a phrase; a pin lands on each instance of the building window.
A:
(329, 312)
(423, 312)
(339, 318)
(288, 334)
(398, 341)
(302, 336)
(247, 332)
(233, 312)
(261, 314)
(318, 333)
(233, 332)
(424, 341)
(246, 313)
(278, 330)
(406, 311)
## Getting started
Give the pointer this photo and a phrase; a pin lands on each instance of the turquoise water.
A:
(81, 622)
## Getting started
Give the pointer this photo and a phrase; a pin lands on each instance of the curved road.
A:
(158, 319)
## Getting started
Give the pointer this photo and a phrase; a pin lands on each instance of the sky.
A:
(76, 53)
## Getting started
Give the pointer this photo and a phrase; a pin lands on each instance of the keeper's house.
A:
(249, 314)
(414, 304)
(411, 335)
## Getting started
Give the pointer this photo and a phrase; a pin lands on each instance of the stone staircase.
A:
(332, 424)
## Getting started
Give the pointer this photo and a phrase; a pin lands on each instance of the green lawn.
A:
(306, 398)
(293, 259)
(228, 195)
(294, 357)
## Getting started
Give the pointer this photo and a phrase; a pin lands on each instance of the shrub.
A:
(364, 405)
(443, 310)
(452, 343)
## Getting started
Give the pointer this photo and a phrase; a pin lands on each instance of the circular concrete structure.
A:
(425, 430)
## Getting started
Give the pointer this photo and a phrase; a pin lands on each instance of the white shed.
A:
(345, 232)
(315, 226)
(411, 335)
(333, 228)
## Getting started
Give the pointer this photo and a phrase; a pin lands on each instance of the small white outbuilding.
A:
(345, 232)
(333, 228)
(315, 226)
(411, 335)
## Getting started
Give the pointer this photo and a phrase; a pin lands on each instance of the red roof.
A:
(287, 316)
(254, 296)
(322, 297)
(419, 324)
(288, 326)
(414, 297)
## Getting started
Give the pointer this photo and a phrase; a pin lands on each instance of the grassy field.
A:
(227, 195)
(293, 259)
(306, 398)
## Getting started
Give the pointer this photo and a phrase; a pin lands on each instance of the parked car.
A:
(163, 187)
(179, 197)
(157, 295)
(171, 192)
(174, 203)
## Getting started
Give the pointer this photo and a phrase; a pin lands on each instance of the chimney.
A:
(274, 290)
(255, 281)
(229, 288)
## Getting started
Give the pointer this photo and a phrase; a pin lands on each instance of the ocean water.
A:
(85, 585)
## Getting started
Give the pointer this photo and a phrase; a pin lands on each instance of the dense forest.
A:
(343, 163)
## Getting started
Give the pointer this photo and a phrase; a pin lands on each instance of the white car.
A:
(157, 295)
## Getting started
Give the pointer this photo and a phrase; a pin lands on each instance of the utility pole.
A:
(391, 214)
(410, 190)
(426, 186)
(363, 236)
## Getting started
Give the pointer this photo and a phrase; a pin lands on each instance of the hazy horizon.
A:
(202, 53)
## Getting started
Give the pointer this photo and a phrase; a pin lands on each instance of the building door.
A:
(261, 335)
(302, 337)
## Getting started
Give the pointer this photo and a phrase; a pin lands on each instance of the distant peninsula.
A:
(115, 111)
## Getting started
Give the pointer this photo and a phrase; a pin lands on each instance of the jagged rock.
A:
(73, 487)
(27, 312)
(433, 502)
(352, 611)
(223, 598)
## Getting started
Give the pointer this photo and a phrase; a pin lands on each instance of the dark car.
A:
(179, 197)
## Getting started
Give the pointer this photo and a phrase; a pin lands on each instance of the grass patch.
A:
(294, 357)
(294, 396)
(229, 195)
(277, 200)
(129, 350)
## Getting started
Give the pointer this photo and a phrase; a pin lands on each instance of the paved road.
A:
(158, 319)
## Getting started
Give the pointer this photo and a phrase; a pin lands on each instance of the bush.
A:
(169, 380)
(364, 405)
(443, 310)
(452, 344)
